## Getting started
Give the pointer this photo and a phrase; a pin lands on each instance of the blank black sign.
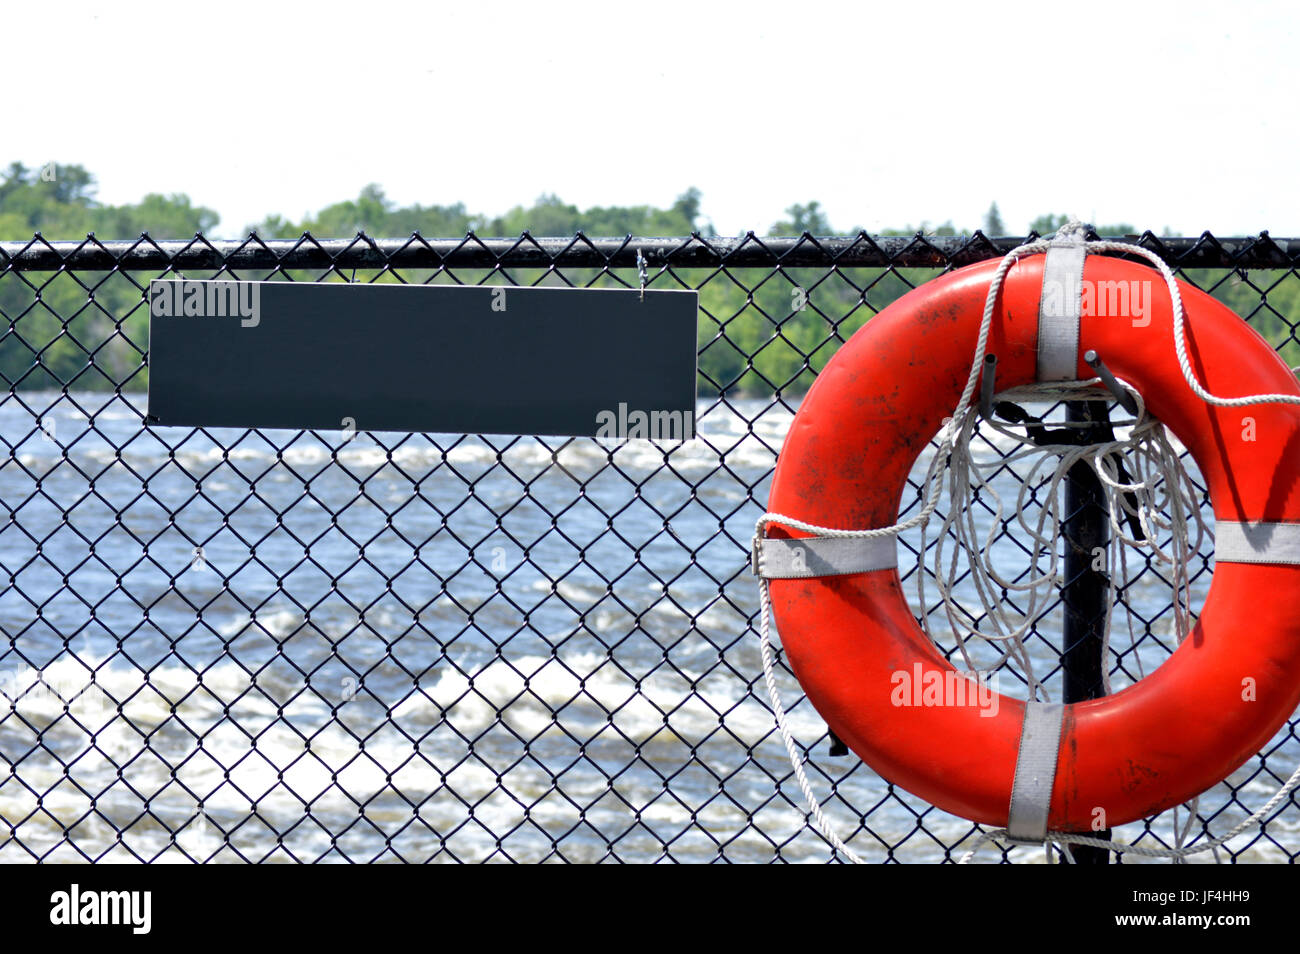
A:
(480, 360)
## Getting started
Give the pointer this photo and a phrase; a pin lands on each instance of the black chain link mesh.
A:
(283, 645)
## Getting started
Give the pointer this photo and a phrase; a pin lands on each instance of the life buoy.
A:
(1189, 724)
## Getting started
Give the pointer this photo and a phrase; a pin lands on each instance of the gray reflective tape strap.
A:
(779, 559)
(1031, 793)
(1256, 542)
(1059, 306)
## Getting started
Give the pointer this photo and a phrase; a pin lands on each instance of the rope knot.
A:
(1072, 232)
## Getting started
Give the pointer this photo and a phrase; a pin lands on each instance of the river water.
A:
(284, 645)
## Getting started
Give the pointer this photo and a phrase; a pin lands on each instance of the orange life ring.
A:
(844, 464)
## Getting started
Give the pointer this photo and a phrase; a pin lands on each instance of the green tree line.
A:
(760, 330)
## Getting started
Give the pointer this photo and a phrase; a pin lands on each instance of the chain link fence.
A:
(237, 645)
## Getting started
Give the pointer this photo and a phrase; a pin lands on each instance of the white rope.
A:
(814, 806)
(1180, 341)
(1166, 502)
(1157, 469)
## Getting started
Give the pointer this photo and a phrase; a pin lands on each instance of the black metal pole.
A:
(580, 251)
(1086, 530)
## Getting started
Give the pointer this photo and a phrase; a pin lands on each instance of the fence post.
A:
(1086, 530)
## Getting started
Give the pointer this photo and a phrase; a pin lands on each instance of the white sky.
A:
(1159, 114)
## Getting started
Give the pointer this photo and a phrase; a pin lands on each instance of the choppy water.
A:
(423, 647)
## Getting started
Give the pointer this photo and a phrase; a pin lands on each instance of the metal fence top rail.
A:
(580, 251)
